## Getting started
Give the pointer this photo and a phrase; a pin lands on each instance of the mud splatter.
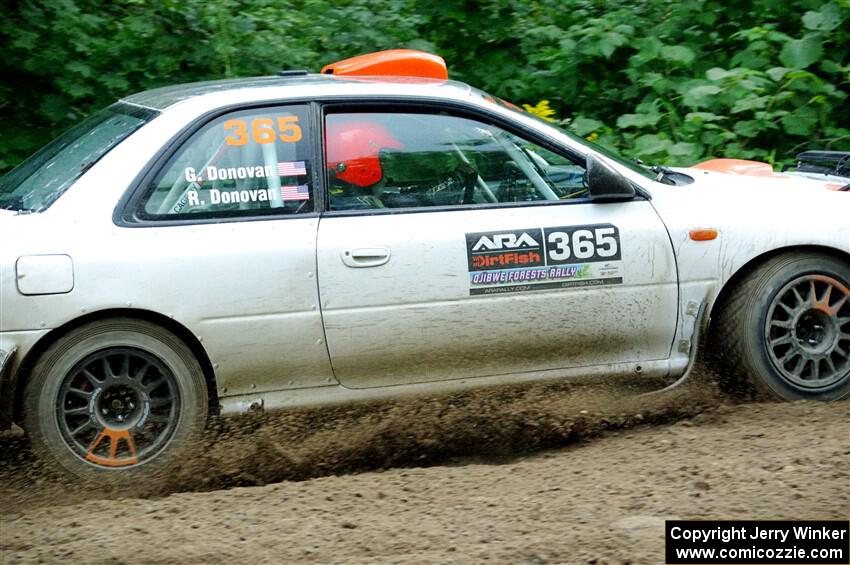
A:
(491, 424)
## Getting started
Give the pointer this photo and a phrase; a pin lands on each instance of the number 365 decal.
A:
(582, 244)
(544, 258)
(262, 130)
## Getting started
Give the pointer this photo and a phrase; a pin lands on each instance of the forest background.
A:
(660, 80)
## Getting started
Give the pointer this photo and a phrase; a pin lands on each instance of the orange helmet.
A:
(354, 148)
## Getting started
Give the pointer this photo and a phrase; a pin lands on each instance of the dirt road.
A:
(555, 474)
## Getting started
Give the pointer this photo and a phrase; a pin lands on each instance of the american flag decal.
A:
(291, 168)
(300, 192)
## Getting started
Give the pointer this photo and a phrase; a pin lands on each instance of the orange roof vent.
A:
(395, 62)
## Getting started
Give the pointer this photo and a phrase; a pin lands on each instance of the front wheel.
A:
(116, 400)
(786, 328)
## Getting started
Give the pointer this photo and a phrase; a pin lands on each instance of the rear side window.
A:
(247, 163)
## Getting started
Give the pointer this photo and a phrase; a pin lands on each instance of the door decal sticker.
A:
(542, 259)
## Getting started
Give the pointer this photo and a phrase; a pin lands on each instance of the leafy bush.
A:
(679, 82)
(661, 80)
(66, 58)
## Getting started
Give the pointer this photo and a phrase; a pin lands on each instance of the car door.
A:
(226, 234)
(454, 249)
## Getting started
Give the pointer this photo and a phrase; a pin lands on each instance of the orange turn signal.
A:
(703, 234)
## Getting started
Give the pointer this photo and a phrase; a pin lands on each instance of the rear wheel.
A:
(786, 328)
(116, 400)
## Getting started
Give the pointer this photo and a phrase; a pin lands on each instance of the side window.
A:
(404, 160)
(246, 163)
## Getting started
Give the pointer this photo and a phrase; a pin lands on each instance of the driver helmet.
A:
(354, 148)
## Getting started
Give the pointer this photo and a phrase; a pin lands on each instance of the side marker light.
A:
(703, 234)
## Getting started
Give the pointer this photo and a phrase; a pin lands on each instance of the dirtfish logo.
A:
(505, 241)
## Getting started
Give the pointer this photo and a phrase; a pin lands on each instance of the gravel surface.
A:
(547, 474)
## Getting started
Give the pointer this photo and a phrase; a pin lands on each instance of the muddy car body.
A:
(136, 300)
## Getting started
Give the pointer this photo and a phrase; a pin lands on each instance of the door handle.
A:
(366, 256)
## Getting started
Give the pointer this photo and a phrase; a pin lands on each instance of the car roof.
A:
(266, 87)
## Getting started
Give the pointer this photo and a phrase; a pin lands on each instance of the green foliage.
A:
(680, 82)
(664, 81)
(65, 58)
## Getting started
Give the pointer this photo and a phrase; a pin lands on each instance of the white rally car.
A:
(376, 230)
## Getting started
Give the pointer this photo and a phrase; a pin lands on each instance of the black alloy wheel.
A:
(808, 331)
(118, 407)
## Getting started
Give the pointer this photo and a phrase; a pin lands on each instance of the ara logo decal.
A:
(508, 240)
(494, 250)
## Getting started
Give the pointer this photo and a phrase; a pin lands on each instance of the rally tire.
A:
(764, 333)
(123, 382)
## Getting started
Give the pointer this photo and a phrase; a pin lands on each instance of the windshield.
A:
(36, 183)
(629, 164)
